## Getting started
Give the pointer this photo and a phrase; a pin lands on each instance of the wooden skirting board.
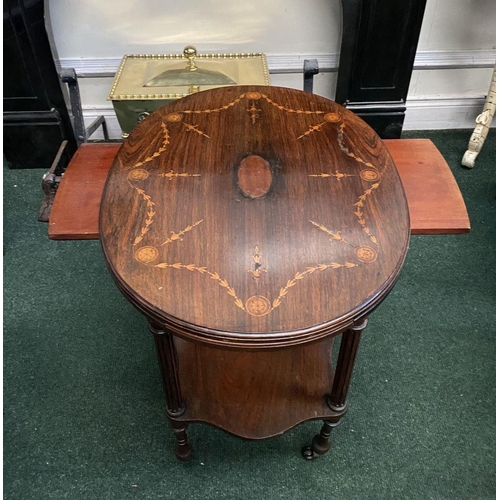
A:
(434, 199)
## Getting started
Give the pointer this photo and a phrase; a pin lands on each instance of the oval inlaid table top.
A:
(254, 216)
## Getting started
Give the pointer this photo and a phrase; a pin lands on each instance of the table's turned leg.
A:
(337, 399)
(183, 450)
(321, 442)
(167, 357)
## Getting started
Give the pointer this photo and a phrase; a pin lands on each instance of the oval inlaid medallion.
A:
(253, 95)
(257, 305)
(254, 176)
(145, 255)
(369, 174)
(138, 174)
(366, 254)
(332, 117)
(174, 117)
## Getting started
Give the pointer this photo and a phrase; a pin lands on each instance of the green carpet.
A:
(83, 402)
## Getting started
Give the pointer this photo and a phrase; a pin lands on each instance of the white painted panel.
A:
(433, 114)
(458, 24)
(96, 28)
(94, 91)
(324, 83)
(451, 83)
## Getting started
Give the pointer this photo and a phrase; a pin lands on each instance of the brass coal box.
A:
(147, 82)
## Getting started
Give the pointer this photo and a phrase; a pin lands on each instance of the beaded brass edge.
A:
(132, 97)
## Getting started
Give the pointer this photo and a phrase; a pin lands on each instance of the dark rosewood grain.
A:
(435, 202)
(250, 242)
(180, 237)
(255, 394)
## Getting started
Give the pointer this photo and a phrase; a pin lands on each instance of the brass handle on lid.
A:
(190, 53)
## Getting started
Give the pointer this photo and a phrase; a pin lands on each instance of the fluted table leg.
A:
(337, 400)
(167, 357)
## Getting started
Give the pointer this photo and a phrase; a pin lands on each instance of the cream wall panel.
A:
(471, 82)
(97, 28)
(94, 91)
(458, 24)
(324, 83)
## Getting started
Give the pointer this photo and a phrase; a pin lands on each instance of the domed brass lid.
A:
(172, 76)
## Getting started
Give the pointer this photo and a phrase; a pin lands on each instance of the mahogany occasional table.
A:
(251, 226)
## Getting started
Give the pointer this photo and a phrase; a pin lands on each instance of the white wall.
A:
(96, 28)
(458, 24)
(93, 35)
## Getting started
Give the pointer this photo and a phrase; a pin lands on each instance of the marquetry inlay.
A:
(334, 234)
(254, 179)
(258, 269)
